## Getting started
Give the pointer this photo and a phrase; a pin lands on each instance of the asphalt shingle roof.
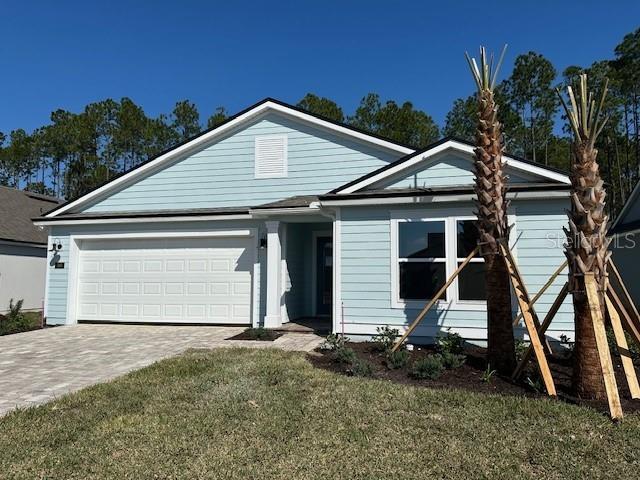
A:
(17, 208)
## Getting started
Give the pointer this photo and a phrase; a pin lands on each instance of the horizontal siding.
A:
(450, 169)
(366, 271)
(222, 174)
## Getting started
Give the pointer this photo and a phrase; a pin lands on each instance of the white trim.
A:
(74, 256)
(196, 234)
(273, 317)
(442, 198)
(47, 272)
(266, 212)
(396, 219)
(450, 216)
(635, 195)
(458, 146)
(149, 219)
(456, 303)
(72, 280)
(186, 148)
(337, 271)
(315, 234)
(284, 271)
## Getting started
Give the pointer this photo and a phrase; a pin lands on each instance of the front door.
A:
(324, 272)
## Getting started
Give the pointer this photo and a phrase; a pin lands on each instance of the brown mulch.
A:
(247, 335)
(469, 377)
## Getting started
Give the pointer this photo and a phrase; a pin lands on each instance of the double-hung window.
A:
(422, 258)
(471, 284)
(426, 253)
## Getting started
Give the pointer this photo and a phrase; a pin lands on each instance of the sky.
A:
(65, 54)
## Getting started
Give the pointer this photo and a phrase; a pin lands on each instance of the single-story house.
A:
(625, 244)
(280, 214)
(23, 248)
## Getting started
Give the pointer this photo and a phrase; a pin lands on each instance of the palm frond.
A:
(485, 75)
(585, 113)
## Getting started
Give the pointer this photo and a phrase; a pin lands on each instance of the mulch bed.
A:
(469, 377)
(247, 335)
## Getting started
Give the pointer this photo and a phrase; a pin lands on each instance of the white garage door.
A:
(196, 280)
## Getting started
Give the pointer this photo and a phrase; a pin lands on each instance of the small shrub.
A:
(450, 343)
(345, 355)
(430, 367)
(453, 360)
(396, 360)
(521, 349)
(487, 375)
(16, 321)
(385, 339)
(333, 342)
(361, 368)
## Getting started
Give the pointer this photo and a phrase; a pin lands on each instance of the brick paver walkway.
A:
(36, 367)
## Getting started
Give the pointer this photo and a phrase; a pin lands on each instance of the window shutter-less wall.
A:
(271, 156)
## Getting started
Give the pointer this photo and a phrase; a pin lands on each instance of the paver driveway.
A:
(37, 366)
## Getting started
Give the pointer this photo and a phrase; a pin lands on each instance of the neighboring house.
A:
(625, 244)
(23, 248)
(279, 214)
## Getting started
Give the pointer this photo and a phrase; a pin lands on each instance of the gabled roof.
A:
(622, 224)
(16, 209)
(245, 116)
(447, 143)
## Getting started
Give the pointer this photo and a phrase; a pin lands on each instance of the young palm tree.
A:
(587, 246)
(492, 222)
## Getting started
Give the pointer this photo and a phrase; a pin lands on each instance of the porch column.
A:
(273, 318)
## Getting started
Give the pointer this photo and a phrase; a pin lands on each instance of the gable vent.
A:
(271, 156)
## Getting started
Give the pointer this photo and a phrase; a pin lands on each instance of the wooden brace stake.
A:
(611, 387)
(543, 328)
(623, 348)
(543, 289)
(631, 326)
(433, 301)
(532, 328)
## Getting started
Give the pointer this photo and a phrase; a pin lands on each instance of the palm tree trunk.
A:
(493, 228)
(587, 252)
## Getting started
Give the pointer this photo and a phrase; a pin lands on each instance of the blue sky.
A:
(66, 54)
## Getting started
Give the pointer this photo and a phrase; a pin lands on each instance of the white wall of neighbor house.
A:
(22, 276)
(368, 296)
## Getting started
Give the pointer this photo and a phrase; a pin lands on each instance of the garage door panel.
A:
(167, 280)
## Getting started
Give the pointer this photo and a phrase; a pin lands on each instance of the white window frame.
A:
(454, 288)
(285, 153)
(396, 301)
(450, 217)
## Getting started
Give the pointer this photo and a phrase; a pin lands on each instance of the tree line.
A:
(77, 151)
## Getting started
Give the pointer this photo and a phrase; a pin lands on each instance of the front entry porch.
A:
(299, 276)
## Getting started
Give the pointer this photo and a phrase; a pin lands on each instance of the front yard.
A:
(240, 413)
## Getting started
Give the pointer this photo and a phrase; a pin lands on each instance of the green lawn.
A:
(269, 414)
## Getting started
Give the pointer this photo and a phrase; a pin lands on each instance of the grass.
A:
(240, 413)
(27, 321)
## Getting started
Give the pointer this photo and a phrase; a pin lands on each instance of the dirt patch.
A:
(258, 335)
(472, 375)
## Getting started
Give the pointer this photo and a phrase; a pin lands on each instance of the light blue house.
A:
(278, 214)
